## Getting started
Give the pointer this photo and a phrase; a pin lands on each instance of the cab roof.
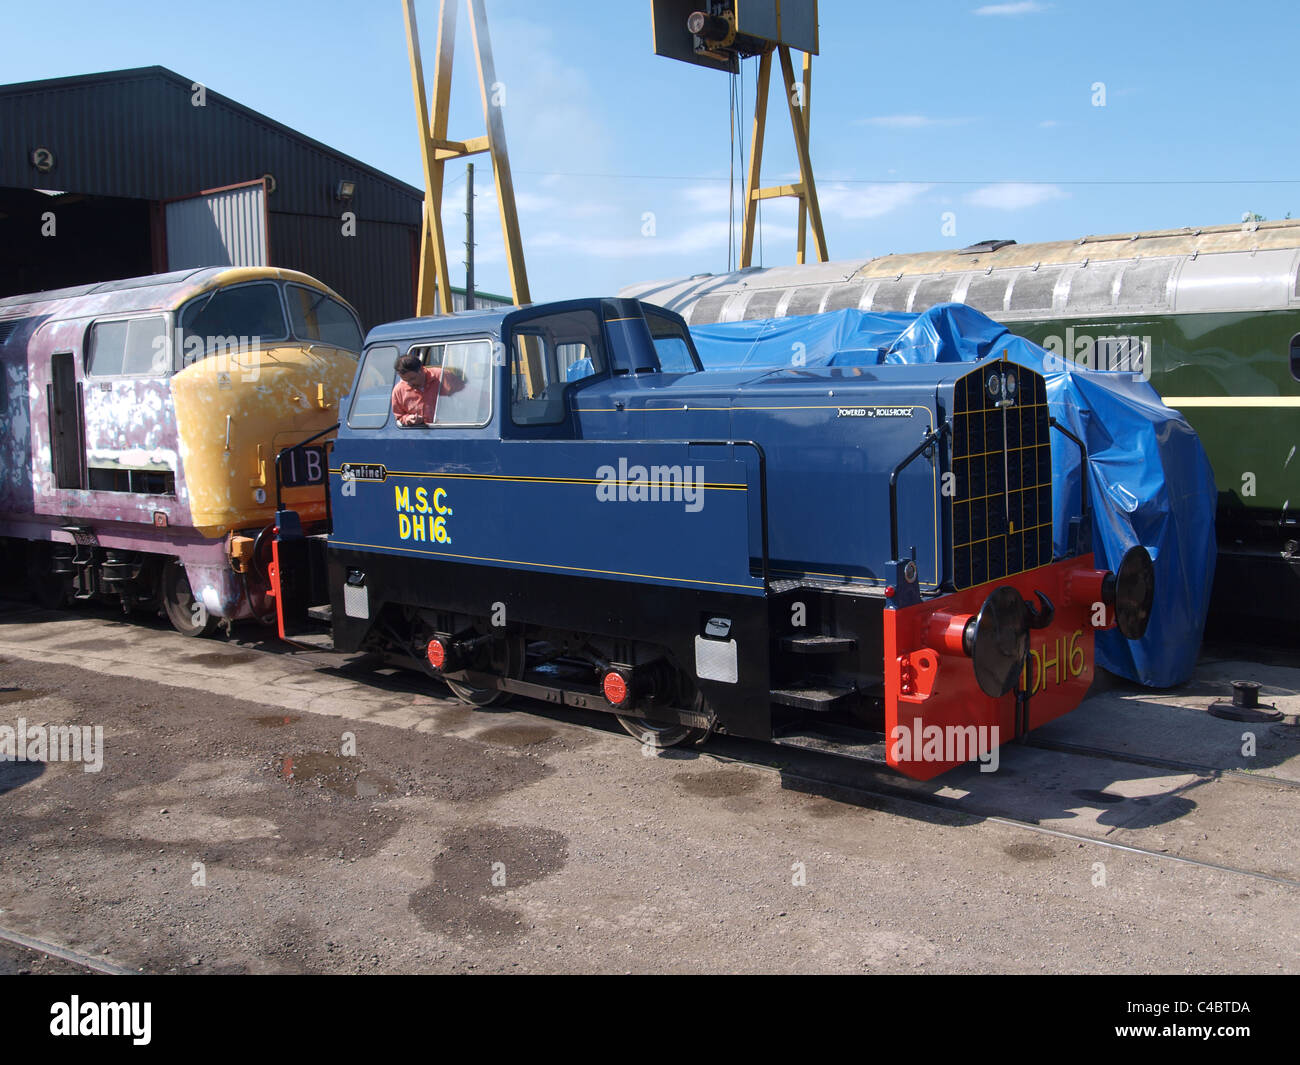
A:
(153, 292)
(439, 325)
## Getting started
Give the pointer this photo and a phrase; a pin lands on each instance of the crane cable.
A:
(731, 179)
(759, 177)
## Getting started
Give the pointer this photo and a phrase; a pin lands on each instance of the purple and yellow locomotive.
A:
(143, 419)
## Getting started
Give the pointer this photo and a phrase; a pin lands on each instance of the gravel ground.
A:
(257, 812)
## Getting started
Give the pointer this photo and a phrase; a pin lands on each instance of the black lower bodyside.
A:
(565, 623)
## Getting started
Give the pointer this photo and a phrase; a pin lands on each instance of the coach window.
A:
(1295, 356)
(548, 354)
(372, 398)
(317, 317)
(232, 319)
(132, 347)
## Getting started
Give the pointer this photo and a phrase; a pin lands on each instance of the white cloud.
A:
(908, 121)
(693, 239)
(1025, 7)
(713, 195)
(552, 110)
(853, 202)
(534, 203)
(1014, 195)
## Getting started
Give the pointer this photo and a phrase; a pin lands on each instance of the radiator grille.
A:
(1002, 458)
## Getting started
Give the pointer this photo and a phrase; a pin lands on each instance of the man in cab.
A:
(415, 396)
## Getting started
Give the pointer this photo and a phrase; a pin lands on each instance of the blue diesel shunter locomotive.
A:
(806, 555)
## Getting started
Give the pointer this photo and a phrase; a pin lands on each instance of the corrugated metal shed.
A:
(482, 300)
(140, 134)
(226, 228)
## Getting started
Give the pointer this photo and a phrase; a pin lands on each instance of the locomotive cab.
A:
(787, 555)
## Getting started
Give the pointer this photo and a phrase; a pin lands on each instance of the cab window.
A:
(372, 397)
(429, 354)
(548, 354)
(315, 316)
(672, 344)
(575, 361)
(231, 319)
(470, 405)
(134, 347)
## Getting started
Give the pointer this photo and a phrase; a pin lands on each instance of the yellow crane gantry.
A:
(436, 149)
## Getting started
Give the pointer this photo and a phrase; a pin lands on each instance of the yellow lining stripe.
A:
(691, 410)
(1014, 406)
(1006, 536)
(535, 480)
(995, 495)
(999, 451)
(546, 565)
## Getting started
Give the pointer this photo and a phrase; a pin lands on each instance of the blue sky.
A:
(983, 110)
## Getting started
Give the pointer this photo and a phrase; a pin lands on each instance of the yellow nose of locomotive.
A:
(235, 411)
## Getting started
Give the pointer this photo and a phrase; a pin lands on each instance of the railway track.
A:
(63, 954)
(859, 780)
(801, 764)
(1172, 764)
(884, 788)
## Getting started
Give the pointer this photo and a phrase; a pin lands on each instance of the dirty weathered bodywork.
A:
(142, 435)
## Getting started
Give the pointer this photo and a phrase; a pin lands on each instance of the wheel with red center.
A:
(507, 661)
(660, 734)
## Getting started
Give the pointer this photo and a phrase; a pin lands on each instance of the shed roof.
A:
(136, 133)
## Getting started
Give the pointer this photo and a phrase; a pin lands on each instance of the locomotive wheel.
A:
(188, 616)
(49, 589)
(508, 662)
(659, 735)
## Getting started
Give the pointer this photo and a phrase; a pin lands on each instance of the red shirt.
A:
(423, 401)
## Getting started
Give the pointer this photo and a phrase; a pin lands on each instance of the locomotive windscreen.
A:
(1001, 505)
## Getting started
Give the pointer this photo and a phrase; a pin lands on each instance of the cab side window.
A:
(576, 360)
(471, 405)
(548, 354)
(672, 344)
(372, 394)
(135, 347)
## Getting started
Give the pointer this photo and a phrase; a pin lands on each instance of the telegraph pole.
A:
(469, 238)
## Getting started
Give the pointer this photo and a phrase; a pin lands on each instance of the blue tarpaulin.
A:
(1149, 480)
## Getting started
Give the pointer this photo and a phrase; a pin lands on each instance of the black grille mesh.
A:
(1002, 458)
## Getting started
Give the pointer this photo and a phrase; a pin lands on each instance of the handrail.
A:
(1083, 466)
(929, 440)
(279, 497)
